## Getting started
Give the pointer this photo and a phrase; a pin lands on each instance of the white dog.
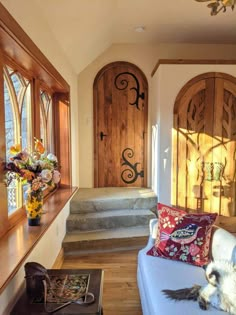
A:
(220, 292)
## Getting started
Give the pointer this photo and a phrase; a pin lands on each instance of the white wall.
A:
(170, 79)
(145, 57)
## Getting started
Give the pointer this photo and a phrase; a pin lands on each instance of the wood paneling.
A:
(120, 292)
(120, 113)
(205, 145)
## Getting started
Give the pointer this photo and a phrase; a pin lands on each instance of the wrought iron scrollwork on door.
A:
(123, 84)
(131, 173)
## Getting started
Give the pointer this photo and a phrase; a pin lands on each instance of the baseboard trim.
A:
(59, 260)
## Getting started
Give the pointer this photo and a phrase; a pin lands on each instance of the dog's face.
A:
(218, 269)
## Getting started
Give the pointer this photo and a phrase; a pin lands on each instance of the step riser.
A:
(105, 223)
(107, 244)
(87, 206)
(93, 252)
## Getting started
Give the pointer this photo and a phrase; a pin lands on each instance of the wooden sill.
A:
(18, 243)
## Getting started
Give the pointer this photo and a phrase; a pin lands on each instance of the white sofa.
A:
(155, 274)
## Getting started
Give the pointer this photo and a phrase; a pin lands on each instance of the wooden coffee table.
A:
(25, 305)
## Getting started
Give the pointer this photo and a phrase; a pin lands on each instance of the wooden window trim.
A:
(16, 67)
(19, 52)
(60, 122)
(18, 46)
(4, 224)
(191, 62)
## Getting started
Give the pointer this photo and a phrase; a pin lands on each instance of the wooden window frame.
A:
(45, 89)
(19, 52)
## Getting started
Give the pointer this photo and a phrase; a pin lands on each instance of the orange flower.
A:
(38, 146)
(28, 175)
(15, 149)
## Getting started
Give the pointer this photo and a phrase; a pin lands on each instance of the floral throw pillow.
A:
(183, 236)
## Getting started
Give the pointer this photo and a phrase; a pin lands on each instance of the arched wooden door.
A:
(120, 126)
(204, 145)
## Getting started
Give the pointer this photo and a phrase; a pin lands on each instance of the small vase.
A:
(34, 206)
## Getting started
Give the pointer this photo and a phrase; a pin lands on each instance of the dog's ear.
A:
(214, 278)
(204, 267)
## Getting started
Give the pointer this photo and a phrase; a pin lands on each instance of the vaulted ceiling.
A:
(85, 28)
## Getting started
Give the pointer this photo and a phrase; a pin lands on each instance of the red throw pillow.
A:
(183, 236)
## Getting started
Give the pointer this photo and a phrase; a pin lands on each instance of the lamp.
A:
(217, 5)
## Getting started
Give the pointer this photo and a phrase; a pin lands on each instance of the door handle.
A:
(102, 135)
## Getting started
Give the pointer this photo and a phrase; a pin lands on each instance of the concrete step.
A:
(112, 198)
(80, 243)
(108, 220)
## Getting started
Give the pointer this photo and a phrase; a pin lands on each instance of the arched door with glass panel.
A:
(204, 145)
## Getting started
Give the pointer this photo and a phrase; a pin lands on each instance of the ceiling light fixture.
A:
(218, 5)
(139, 29)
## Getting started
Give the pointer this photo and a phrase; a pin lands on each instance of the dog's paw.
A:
(203, 304)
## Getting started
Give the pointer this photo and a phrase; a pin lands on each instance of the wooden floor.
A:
(120, 293)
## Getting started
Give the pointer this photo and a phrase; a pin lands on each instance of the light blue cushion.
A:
(155, 274)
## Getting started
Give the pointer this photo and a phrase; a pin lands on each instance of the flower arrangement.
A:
(38, 168)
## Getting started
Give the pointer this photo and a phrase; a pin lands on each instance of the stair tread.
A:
(110, 213)
(112, 198)
(112, 193)
(137, 231)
